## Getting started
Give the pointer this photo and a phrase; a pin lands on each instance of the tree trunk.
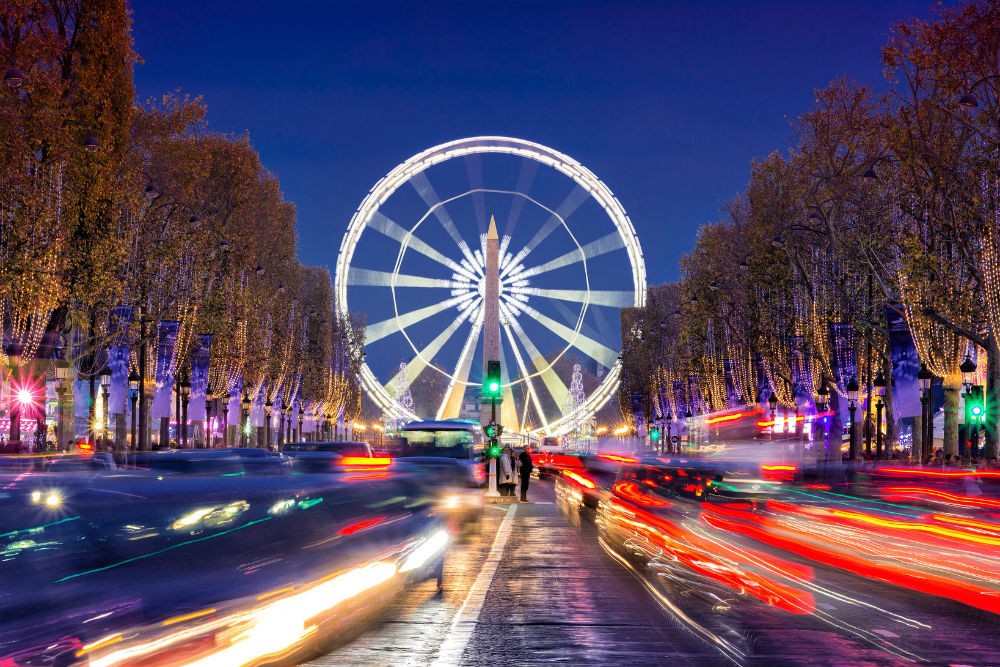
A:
(992, 404)
(951, 389)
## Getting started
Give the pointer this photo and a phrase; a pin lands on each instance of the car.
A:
(335, 456)
(224, 461)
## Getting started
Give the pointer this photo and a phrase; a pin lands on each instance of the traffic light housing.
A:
(654, 433)
(975, 407)
(492, 388)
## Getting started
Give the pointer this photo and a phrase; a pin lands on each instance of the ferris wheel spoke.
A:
(422, 359)
(474, 173)
(455, 394)
(572, 202)
(524, 373)
(508, 411)
(379, 330)
(393, 230)
(524, 180)
(601, 246)
(553, 383)
(371, 278)
(426, 191)
(569, 317)
(613, 298)
(599, 352)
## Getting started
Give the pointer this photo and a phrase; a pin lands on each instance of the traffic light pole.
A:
(491, 491)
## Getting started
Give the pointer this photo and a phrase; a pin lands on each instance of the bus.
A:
(459, 440)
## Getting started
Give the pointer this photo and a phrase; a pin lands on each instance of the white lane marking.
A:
(464, 623)
(886, 633)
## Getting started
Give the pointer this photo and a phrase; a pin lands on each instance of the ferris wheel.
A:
(414, 261)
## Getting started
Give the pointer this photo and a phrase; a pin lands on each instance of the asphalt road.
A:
(531, 585)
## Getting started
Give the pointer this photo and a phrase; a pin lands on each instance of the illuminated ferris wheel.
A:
(414, 261)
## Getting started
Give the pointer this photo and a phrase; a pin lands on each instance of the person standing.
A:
(525, 467)
(505, 473)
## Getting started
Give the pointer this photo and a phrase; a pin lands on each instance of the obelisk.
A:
(491, 306)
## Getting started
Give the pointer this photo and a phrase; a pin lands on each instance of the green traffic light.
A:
(654, 434)
(495, 451)
(494, 387)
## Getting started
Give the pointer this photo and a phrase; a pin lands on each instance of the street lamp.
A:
(226, 398)
(669, 419)
(13, 78)
(879, 383)
(924, 378)
(245, 421)
(773, 404)
(133, 396)
(821, 405)
(105, 376)
(209, 397)
(852, 406)
(968, 369)
(185, 397)
(267, 423)
(302, 416)
(286, 426)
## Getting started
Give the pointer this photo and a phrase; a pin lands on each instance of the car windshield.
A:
(452, 443)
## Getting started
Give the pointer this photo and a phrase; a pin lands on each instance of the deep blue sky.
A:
(666, 102)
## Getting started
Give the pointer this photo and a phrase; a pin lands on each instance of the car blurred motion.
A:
(335, 456)
(162, 567)
(224, 461)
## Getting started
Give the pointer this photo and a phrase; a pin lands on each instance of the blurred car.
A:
(225, 461)
(102, 461)
(549, 463)
(335, 456)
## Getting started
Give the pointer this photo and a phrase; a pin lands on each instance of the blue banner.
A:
(905, 364)
(199, 376)
(165, 368)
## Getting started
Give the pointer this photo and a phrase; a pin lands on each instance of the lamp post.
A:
(105, 375)
(924, 378)
(268, 405)
(968, 369)
(245, 420)
(226, 398)
(302, 416)
(209, 397)
(852, 406)
(821, 404)
(772, 402)
(879, 383)
(133, 396)
(286, 418)
(668, 423)
(185, 386)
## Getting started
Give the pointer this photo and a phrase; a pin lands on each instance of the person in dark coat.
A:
(524, 468)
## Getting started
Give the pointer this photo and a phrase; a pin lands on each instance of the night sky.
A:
(666, 102)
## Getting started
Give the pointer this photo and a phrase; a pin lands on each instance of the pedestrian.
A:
(524, 467)
(505, 473)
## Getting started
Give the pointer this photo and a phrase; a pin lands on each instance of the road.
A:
(531, 585)
(554, 597)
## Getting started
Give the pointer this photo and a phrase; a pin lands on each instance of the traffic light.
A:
(491, 430)
(492, 387)
(654, 433)
(494, 451)
(975, 409)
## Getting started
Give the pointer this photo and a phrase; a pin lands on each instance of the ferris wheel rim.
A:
(385, 187)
